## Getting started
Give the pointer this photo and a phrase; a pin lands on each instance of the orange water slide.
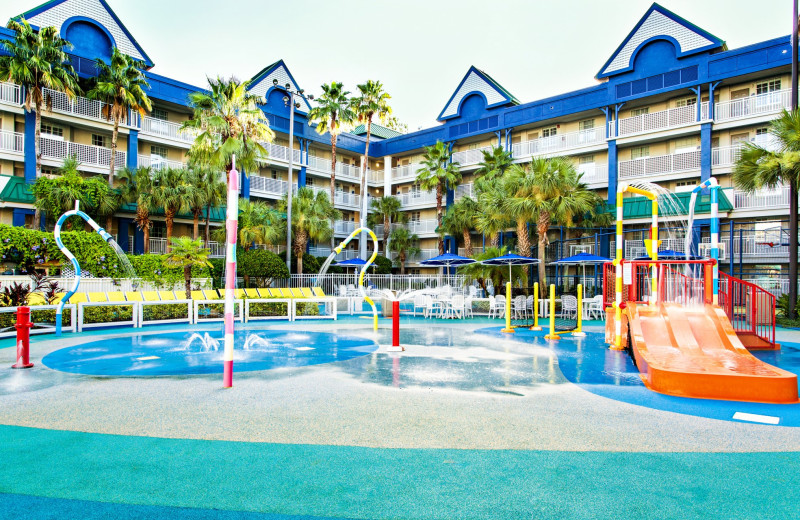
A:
(696, 353)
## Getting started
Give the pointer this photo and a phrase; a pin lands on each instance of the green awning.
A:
(641, 207)
(15, 190)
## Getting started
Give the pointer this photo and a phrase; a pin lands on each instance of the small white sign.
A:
(751, 417)
(627, 274)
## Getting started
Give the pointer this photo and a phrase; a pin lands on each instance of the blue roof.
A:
(510, 259)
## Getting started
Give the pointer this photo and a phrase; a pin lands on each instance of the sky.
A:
(420, 50)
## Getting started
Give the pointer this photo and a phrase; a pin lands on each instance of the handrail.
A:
(750, 308)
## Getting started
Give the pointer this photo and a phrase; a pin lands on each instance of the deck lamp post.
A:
(288, 99)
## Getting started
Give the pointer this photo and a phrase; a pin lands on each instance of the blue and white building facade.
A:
(672, 105)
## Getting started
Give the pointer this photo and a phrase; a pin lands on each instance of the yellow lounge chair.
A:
(211, 294)
(286, 293)
(274, 293)
(198, 295)
(167, 295)
(297, 293)
(240, 294)
(151, 296)
(318, 292)
(306, 292)
(36, 298)
(134, 296)
(252, 293)
(116, 297)
(98, 297)
(78, 297)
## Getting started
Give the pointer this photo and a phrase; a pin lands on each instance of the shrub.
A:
(258, 267)
(382, 265)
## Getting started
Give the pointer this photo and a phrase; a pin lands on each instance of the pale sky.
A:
(420, 50)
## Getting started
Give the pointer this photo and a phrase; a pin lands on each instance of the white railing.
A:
(761, 104)
(757, 244)
(156, 162)
(104, 285)
(417, 198)
(344, 171)
(79, 106)
(266, 186)
(375, 176)
(344, 227)
(217, 250)
(475, 251)
(333, 284)
(12, 141)
(407, 171)
(662, 120)
(463, 190)
(636, 248)
(762, 199)
(281, 153)
(672, 163)
(470, 157)
(10, 93)
(346, 254)
(725, 155)
(158, 246)
(340, 198)
(593, 173)
(168, 129)
(558, 143)
(419, 227)
(85, 153)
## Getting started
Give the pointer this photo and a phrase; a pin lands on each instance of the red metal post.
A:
(23, 327)
(395, 323)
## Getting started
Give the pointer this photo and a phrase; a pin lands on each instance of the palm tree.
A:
(372, 101)
(403, 243)
(387, 209)
(171, 193)
(137, 188)
(121, 86)
(333, 114)
(187, 253)
(460, 219)
(439, 174)
(548, 191)
(258, 223)
(491, 220)
(212, 190)
(759, 167)
(493, 166)
(496, 273)
(35, 61)
(311, 216)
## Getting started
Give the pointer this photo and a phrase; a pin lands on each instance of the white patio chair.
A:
(497, 306)
(433, 307)
(419, 303)
(457, 306)
(529, 305)
(595, 310)
(569, 306)
(518, 308)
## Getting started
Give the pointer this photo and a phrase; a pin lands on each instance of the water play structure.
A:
(688, 334)
(231, 227)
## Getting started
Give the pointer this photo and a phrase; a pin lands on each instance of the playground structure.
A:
(563, 321)
(688, 335)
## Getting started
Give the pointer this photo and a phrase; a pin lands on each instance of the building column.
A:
(244, 185)
(133, 150)
(508, 140)
(122, 233)
(612, 172)
(705, 151)
(138, 241)
(30, 147)
(301, 177)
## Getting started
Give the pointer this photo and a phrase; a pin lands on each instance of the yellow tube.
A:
(508, 328)
(536, 307)
(364, 269)
(553, 334)
(579, 329)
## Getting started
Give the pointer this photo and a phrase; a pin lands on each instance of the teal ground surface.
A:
(110, 476)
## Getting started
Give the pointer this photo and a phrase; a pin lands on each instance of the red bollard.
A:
(396, 328)
(23, 327)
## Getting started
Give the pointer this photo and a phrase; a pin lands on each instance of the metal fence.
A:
(331, 283)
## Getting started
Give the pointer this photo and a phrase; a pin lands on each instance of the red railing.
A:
(750, 308)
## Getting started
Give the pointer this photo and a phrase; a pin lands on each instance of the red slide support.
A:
(23, 327)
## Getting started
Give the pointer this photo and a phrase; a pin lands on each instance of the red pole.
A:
(395, 323)
(23, 327)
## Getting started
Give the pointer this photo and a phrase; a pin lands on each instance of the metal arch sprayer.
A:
(57, 234)
(361, 288)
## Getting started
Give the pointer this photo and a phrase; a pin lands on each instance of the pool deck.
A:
(492, 430)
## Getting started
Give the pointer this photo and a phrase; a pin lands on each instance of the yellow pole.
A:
(536, 307)
(552, 334)
(508, 328)
(578, 331)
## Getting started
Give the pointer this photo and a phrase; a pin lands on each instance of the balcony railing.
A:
(417, 198)
(167, 129)
(344, 227)
(419, 227)
(10, 94)
(475, 251)
(662, 164)
(762, 199)
(77, 106)
(85, 153)
(594, 173)
(559, 143)
(761, 104)
(340, 198)
(424, 254)
(158, 246)
(662, 120)
(266, 186)
(12, 141)
(346, 254)
(471, 157)
(728, 155)
(408, 171)
(464, 190)
(343, 171)
(281, 153)
(156, 162)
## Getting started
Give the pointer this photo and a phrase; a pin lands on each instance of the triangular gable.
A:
(477, 81)
(263, 81)
(56, 12)
(659, 23)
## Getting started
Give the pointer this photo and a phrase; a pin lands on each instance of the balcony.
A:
(475, 250)
(13, 142)
(728, 155)
(416, 199)
(80, 107)
(593, 173)
(470, 157)
(759, 105)
(266, 187)
(558, 143)
(281, 154)
(406, 172)
(346, 254)
(464, 190)
(341, 198)
(659, 165)
(762, 199)
(86, 154)
(344, 227)
(10, 94)
(345, 172)
(158, 246)
(424, 254)
(663, 120)
(156, 162)
(419, 227)
(167, 130)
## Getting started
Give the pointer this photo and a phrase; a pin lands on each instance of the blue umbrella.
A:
(583, 259)
(509, 260)
(447, 260)
(353, 262)
(669, 254)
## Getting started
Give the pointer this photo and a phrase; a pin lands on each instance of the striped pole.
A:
(231, 226)
(654, 254)
(618, 277)
(714, 187)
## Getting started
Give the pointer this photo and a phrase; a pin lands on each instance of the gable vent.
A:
(657, 82)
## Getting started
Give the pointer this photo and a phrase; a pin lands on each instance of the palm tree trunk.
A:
(364, 178)
(387, 224)
(109, 222)
(37, 215)
(112, 161)
(187, 277)
(402, 256)
(196, 224)
(146, 233)
(439, 215)
(333, 184)
(523, 240)
(169, 217)
(542, 225)
(300, 248)
(208, 223)
(494, 240)
(793, 239)
(467, 243)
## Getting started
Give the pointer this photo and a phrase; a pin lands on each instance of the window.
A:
(741, 93)
(684, 186)
(160, 151)
(640, 111)
(53, 132)
(99, 140)
(414, 216)
(638, 152)
(586, 159)
(586, 125)
(159, 113)
(549, 132)
(533, 135)
(768, 86)
(274, 174)
(715, 142)
(516, 139)
(48, 171)
(762, 131)
(686, 102)
(739, 138)
(687, 144)
(473, 146)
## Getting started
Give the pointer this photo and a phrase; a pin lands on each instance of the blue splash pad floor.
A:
(588, 363)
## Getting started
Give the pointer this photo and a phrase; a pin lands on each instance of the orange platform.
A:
(696, 353)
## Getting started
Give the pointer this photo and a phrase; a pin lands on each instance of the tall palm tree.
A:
(493, 165)
(548, 191)
(35, 61)
(212, 188)
(137, 188)
(460, 219)
(196, 199)
(759, 167)
(492, 219)
(333, 114)
(258, 223)
(387, 209)
(186, 253)
(121, 86)
(372, 100)
(438, 173)
(403, 243)
(170, 193)
(311, 216)
(496, 273)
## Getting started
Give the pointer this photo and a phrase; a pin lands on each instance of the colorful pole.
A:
(23, 327)
(552, 334)
(618, 277)
(536, 307)
(395, 328)
(713, 185)
(361, 288)
(508, 329)
(579, 329)
(231, 226)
